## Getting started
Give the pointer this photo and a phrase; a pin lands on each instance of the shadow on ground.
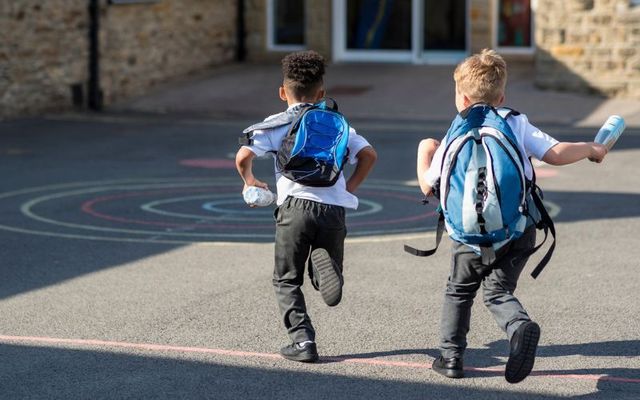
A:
(44, 373)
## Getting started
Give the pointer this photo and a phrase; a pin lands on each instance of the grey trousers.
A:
(499, 281)
(302, 226)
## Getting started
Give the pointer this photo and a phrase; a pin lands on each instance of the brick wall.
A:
(44, 49)
(589, 46)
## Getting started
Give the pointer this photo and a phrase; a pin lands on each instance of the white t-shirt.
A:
(269, 140)
(532, 142)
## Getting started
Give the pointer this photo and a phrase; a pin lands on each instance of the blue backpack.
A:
(314, 150)
(484, 193)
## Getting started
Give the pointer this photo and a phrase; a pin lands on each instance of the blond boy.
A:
(481, 80)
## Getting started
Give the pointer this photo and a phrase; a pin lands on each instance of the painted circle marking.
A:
(38, 203)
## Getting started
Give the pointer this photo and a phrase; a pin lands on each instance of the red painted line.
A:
(88, 207)
(24, 340)
(136, 346)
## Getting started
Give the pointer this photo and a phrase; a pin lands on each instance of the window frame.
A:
(271, 21)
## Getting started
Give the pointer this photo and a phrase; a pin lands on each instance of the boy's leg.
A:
(501, 283)
(498, 291)
(332, 232)
(294, 231)
(325, 264)
(462, 285)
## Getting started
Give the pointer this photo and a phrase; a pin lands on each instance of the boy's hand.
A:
(254, 182)
(598, 151)
(427, 190)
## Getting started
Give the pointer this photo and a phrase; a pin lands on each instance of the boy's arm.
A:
(565, 153)
(244, 164)
(367, 157)
(426, 150)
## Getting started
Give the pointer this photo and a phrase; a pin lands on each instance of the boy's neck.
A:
(293, 102)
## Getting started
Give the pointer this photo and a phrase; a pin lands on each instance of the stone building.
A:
(589, 46)
(46, 57)
(45, 52)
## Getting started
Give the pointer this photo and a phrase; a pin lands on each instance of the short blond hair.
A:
(482, 77)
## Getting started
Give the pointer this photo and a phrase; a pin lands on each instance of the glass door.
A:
(285, 25)
(419, 31)
(445, 31)
(514, 22)
(373, 30)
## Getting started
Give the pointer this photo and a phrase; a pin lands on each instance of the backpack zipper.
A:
(520, 167)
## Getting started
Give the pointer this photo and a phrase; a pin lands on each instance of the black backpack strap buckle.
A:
(246, 139)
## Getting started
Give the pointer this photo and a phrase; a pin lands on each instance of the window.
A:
(286, 24)
(379, 24)
(514, 25)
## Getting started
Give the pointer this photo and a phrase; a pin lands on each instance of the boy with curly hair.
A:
(310, 221)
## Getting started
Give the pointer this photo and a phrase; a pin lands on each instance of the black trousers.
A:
(499, 280)
(302, 226)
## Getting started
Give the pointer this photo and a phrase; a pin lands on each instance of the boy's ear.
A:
(283, 94)
(466, 101)
(321, 93)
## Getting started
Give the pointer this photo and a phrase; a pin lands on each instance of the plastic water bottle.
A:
(256, 196)
(610, 131)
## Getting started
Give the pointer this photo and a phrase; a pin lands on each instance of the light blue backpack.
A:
(484, 193)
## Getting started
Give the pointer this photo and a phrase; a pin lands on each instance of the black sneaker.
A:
(524, 344)
(306, 353)
(327, 276)
(449, 367)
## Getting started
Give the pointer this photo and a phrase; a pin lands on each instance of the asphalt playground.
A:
(132, 269)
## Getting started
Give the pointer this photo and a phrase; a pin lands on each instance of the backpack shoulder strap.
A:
(328, 103)
(275, 121)
(506, 112)
(546, 224)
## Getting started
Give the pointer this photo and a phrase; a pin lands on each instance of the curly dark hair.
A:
(303, 72)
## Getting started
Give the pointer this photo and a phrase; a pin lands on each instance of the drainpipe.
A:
(94, 91)
(241, 48)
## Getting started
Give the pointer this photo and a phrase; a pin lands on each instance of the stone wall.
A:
(589, 46)
(44, 48)
(317, 30)
(481, 14)
(144, 44)
(43, 51)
